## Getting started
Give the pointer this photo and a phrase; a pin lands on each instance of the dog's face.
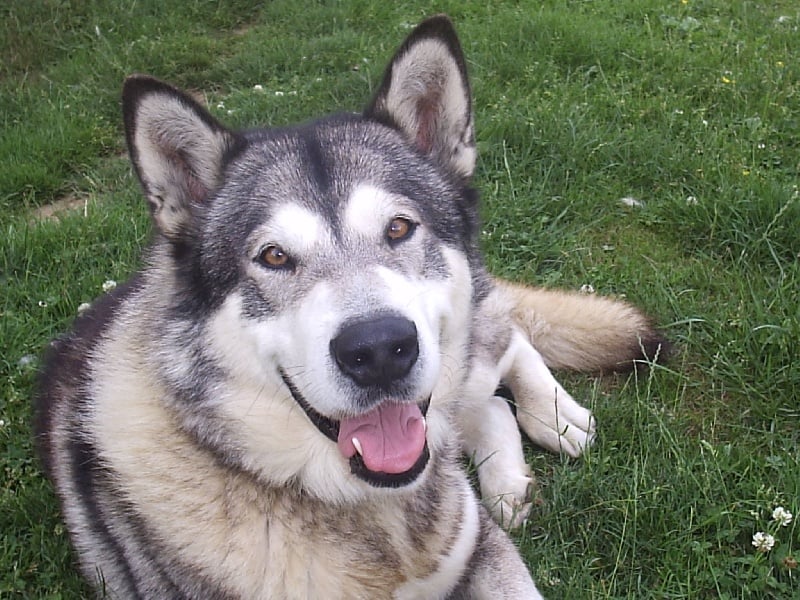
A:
(333, 260)
(351, 283)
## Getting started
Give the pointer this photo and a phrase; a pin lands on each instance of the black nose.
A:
(376, 352)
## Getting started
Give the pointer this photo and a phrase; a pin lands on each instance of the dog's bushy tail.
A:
(584, 332)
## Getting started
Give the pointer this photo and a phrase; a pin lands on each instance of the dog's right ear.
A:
(425, 94)
(177, 149)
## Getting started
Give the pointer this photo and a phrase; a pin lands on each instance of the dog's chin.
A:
(330, 429)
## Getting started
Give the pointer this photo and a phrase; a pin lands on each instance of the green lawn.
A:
(688, 109)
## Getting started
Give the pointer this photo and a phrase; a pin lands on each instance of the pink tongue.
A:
(392, 437)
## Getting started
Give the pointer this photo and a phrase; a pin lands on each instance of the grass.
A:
(689, 107)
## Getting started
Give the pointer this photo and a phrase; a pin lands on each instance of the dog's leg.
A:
(545, 411)
(490, 436)
(497, 571)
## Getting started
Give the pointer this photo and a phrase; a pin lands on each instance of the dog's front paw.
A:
(511, 507)
(494, 442)
(577, 429)
(563, 426)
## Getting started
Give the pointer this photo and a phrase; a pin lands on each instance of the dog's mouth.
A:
(386, 447)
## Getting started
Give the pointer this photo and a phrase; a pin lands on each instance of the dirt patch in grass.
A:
(60, 206)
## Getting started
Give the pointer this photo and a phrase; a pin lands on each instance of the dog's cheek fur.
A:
(254, 398)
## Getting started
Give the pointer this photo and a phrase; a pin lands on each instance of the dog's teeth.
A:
(357, 446)
(424, 424)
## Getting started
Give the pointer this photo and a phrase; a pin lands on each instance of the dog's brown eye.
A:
(399, 229)
(274, 257)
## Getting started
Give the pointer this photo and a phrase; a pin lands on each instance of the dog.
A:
(278, 403)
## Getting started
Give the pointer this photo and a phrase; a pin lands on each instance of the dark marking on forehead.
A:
(314, 160)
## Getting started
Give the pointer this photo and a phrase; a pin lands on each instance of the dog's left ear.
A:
(425, 94)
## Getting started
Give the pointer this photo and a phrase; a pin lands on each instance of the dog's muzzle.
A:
(387, 444)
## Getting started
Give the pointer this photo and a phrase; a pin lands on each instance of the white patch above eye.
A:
(295, 229)
(369, 210)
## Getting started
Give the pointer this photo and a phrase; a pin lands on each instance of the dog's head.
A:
(334, 265)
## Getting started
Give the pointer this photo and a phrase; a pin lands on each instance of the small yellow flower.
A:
(727, 79)
(779, 64)
(745, 172)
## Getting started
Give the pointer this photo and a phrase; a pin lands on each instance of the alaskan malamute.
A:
(277, 404)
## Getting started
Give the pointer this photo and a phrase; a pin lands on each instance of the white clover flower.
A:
(587, 288)
(630, 201)
(763, 542)
(781, 516)
(2, 422)
(27, 361)
(83, 307)
(279, 93)
(109, 284)
(258, 87)
(691, 200)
